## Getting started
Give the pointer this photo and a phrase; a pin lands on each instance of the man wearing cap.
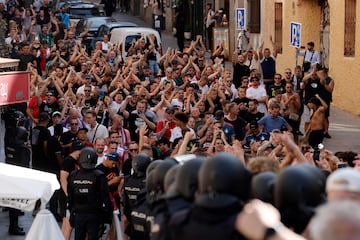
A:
(256, 135)
(82, 136)
(69, 164)
(164, 127)
(56, 119)
(110, 168)
(50, 104)
(86, 82)
(39, 137)
(343, 184)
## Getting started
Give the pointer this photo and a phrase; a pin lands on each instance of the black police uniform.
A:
(224, 186)
(140, 219)
(88, 191)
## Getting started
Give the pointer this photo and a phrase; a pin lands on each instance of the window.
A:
(278, 26)
(254, 16)
(350, 28)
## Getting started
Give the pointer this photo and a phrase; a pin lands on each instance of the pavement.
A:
(344, 129)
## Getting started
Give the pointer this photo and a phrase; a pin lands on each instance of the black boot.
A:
(16, 231)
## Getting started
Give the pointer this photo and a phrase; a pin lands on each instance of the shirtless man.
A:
(316, 127)
(291, 101)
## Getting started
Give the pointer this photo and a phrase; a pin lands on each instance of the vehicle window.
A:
(101, 31)
(129, 40)
(85, 11)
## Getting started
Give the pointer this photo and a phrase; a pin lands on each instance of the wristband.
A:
(272, 231)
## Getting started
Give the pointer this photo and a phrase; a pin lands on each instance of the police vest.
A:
(86, 191)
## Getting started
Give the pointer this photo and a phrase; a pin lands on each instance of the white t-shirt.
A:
(257, 93)
(176, 133)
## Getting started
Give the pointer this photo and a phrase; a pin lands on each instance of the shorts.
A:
(327, 112)
(315, 138)
(306, 114)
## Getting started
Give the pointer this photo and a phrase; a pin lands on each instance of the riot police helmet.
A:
(152, 166)
(169, 181)
(223, 181)
(22, 135)
(187, 178)
(262, 186)
(88, 158)
(140, 164)
(19, 118)
(299, 189)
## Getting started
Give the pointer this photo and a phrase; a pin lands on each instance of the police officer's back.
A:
(88, 197)
(224, 185)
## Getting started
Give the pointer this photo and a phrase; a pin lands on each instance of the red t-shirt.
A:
(33, 105)
(161, 125)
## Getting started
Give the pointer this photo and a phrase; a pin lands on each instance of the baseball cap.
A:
(254, 125)
(133, 93)
(77, 145)
(87, 76)
(345, 179)
(169, 110)
(56, 113)
(113, 156)
(83, 128)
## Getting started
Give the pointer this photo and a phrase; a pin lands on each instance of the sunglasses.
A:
(74, 124)
(133, 150)
(87, 90)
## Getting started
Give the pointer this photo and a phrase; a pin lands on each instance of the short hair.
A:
(311, 44)
(181, 117)
(255, 101)
(92, 112)
(275, 105)
(263, 164)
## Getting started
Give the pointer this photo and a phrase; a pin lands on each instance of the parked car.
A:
(95, 21)
(125, 37)
(78, 10)
(105, 29)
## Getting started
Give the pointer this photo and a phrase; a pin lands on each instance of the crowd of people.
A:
(129, 124)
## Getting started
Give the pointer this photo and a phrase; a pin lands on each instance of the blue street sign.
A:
(240, 18)
(295, 34)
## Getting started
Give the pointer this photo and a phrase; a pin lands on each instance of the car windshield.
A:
(130, 40)
(85, 11)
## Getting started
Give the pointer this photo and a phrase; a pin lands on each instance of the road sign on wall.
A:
(295, 34)
(240, 18)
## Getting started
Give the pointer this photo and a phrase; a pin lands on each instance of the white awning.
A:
(21, 187)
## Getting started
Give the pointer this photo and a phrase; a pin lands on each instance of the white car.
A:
(124, 37)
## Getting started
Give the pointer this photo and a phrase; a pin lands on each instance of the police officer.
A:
(299, 189)
(17, 153)
(88, 194)
(224, 186)
(133, 184)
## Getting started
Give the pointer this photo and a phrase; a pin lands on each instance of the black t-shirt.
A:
(126, 167)
(40, 134)
(254, 117)
(69, 164)
(66, 138)
(24, 60)
(239, 127)
(53, 147)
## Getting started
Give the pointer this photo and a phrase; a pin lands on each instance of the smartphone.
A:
(316, 155)
(341, 165)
